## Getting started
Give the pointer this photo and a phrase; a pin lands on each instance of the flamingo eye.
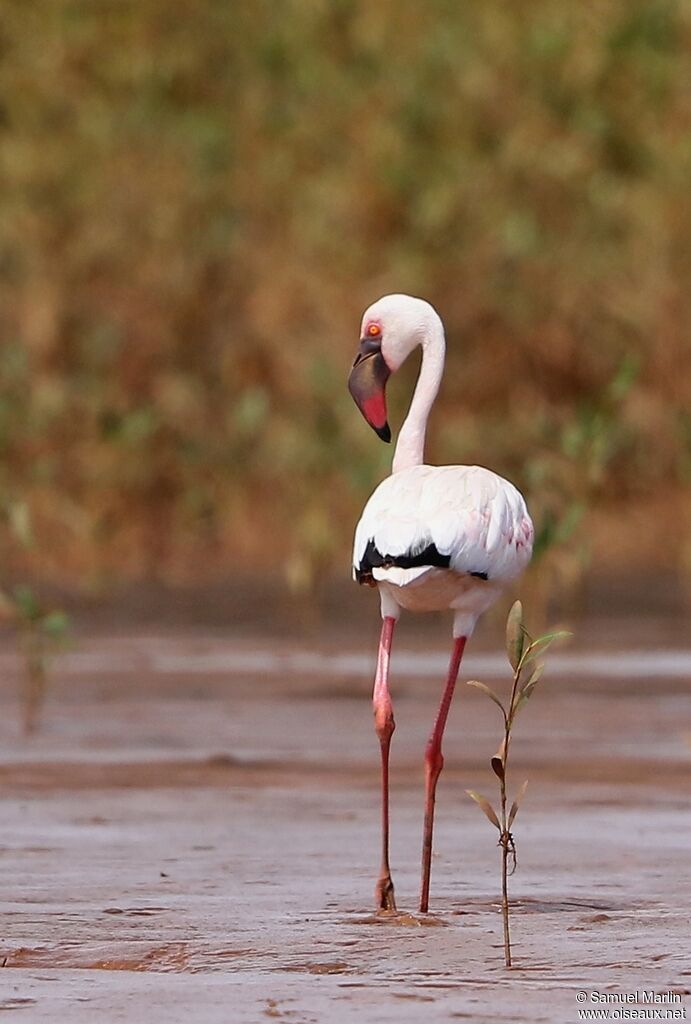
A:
(374, 330)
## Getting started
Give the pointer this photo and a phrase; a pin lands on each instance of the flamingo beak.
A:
(367, 385)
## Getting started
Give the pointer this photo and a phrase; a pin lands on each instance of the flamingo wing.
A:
(463, 518)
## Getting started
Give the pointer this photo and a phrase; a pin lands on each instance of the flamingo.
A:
(430, 538)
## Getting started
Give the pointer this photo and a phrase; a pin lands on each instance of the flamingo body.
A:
(437, 537)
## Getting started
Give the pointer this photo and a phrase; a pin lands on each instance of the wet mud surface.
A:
(186, 840)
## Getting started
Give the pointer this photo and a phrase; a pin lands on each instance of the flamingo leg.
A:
(384, 725)
(434, 762)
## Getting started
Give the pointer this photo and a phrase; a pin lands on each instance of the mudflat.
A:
(194, 834)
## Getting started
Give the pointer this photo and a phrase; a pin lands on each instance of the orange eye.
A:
(374, 330)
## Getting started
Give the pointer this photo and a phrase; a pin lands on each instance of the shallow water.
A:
(195, 834)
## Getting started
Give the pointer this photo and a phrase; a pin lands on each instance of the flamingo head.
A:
(391, 328)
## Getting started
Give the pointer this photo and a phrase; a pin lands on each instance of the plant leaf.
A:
(498, 761)
(55, 624)
(536, 676)
(523, 698)
(26, 603)
(525, 692)
(516, 804)
(485, 806)
(539, 646)
(515, 635)
(486, 689)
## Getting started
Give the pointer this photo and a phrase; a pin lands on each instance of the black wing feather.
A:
(429, 556)
(374, 559)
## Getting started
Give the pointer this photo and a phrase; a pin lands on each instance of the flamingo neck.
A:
(410, 447)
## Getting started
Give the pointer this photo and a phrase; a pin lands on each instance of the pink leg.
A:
(434, 762)
(385, 725)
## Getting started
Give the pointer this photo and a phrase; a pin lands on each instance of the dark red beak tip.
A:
(367, 385)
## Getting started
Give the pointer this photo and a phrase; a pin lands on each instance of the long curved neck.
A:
(410, 447)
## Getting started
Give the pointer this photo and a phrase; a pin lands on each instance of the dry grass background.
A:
(200, 198)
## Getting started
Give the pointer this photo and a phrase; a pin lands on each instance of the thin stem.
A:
(505, 901)
(505, 839)
(504, 843)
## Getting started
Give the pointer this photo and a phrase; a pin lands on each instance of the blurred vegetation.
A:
(200, 198)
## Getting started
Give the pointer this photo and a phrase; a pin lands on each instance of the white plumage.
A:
(476, 518)
(467, 512)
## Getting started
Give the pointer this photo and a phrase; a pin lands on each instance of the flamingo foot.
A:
(384, 893)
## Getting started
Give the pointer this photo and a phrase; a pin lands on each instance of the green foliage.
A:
(199, 200)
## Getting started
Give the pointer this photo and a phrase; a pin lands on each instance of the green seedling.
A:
(523, 652)
(41, 632)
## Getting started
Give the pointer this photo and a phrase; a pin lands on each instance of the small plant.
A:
(40, 630)
(523, 652)
(40, 633)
